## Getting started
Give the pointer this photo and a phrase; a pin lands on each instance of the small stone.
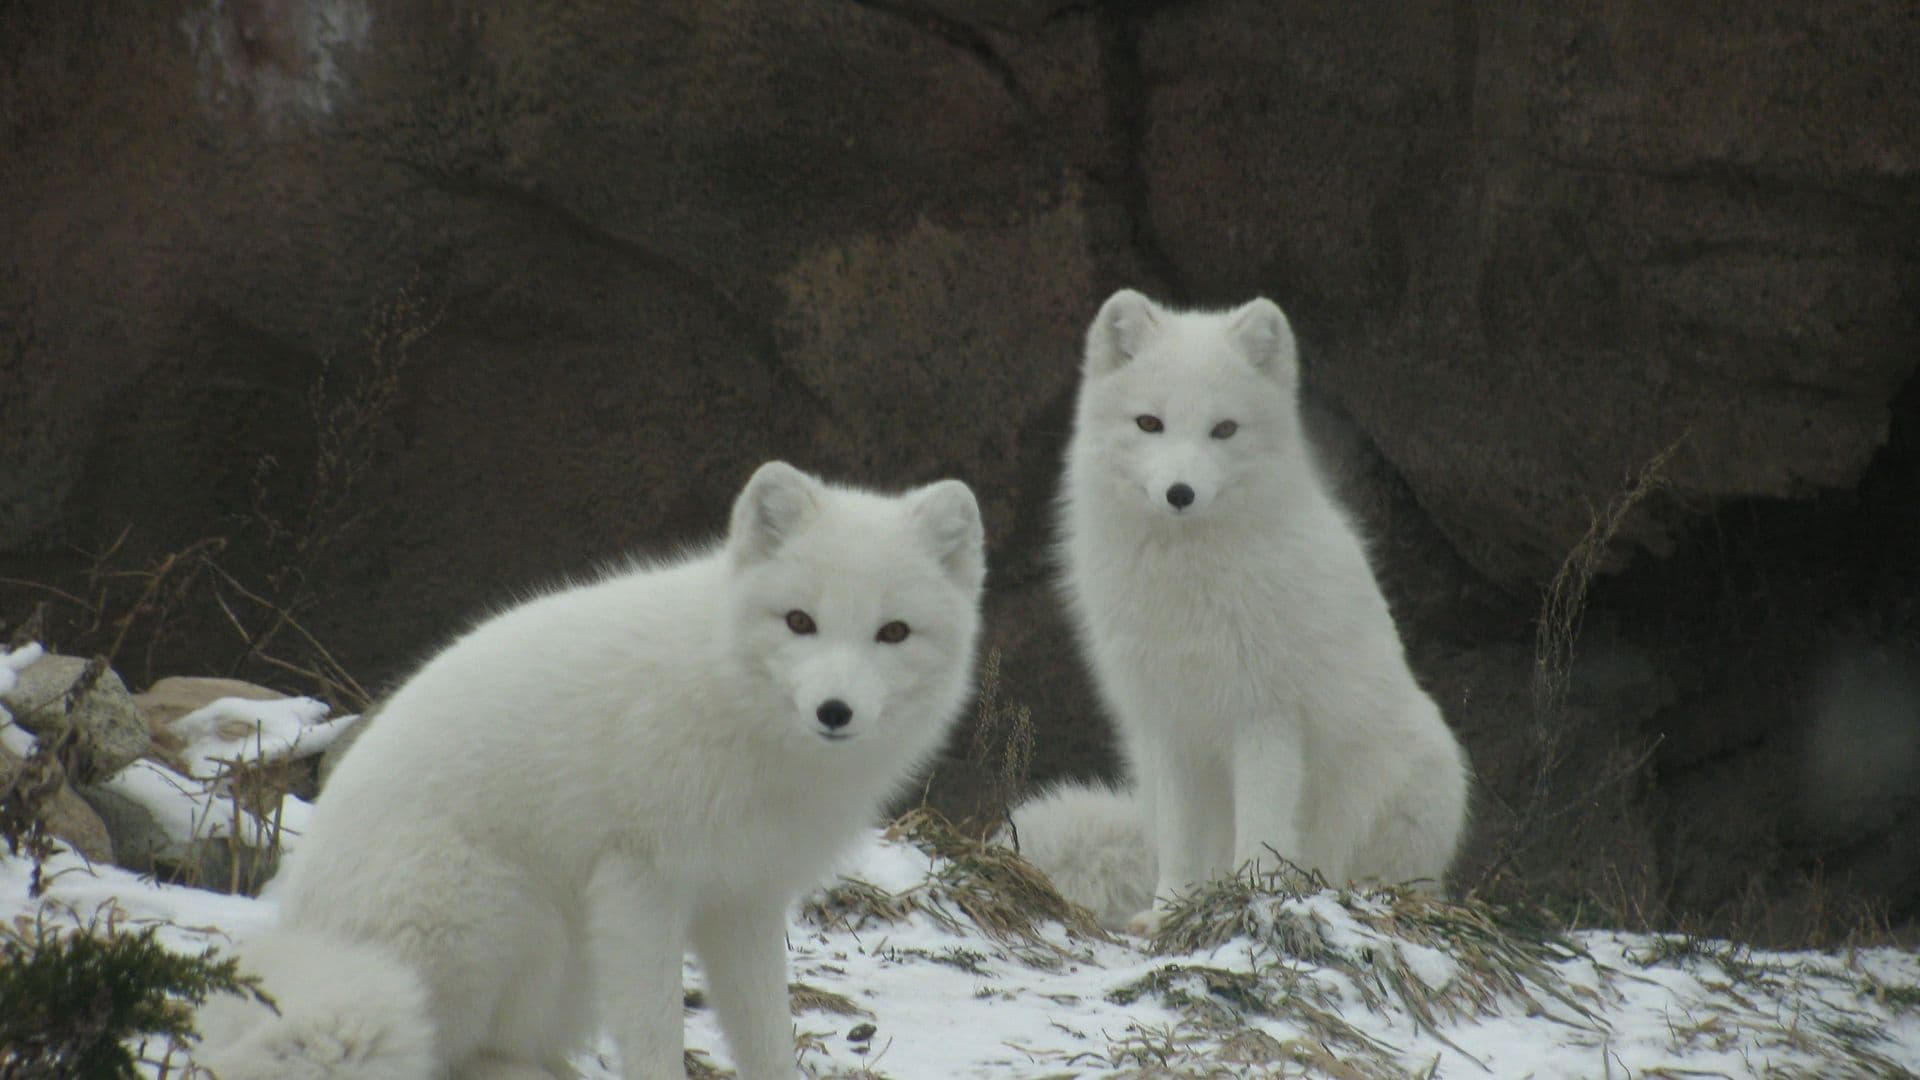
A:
(140, 842)
(68, 817)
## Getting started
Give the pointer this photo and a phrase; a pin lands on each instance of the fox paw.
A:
(1146, 924)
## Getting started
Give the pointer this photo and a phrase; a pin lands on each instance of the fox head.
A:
(1179, 409)
(861, 610)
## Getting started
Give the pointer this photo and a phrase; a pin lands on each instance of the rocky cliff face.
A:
(1529, 250)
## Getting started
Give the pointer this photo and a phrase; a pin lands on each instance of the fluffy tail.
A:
(347, 1011)
(1093, 842)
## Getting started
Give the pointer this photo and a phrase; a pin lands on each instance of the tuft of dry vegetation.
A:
(1197, 1050)
(992, 886)
(1215, 1037)
(853, 905)
(1563, 607)
(970, 883)
(24, 804)
(348, 405)
(123, 598)
(806, 998)
(256, 791)
(1767, 1004)
(1001, 752)
(26, 797)
(1437, 959)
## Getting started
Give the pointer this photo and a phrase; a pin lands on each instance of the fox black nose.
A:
(1180, 495)
(834, 714)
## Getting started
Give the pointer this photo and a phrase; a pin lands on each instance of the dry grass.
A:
(25, 801)
(853, 905)
(348, 405)
(247, 798)
(971, 884)
(1001, 752)
(1564, 606)
(812, 1044)
(1313, 953)
(1547, 807)
(1439, 960)
(257, 796)
(122, 599)
(991, 886)
(27, 794)
(806, 998)
(1764, 1007)
(1186, 1050)
(1901, 997)
(1217, 1002)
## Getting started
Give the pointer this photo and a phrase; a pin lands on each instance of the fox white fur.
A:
(554, 809)
(1234, 629)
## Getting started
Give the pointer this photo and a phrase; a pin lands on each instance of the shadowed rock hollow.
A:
(506, 289)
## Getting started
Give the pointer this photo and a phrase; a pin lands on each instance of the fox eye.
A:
(1225, 429)
(1149, 424)
(800, 622)
(893, 633)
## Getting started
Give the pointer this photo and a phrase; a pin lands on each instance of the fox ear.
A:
(1261, 331)
(1124, 323)
(949, 520)
(770, 508)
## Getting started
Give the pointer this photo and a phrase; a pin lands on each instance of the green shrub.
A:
(77, 1003)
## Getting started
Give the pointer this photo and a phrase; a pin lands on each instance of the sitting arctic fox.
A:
(557, 806)
(1234, 630)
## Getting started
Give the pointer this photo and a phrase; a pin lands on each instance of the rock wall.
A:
(499, 290)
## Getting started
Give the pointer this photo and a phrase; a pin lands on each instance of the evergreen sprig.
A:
(74, 1003)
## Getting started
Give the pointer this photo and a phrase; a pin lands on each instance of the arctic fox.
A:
(558, 805)
(1234, 629)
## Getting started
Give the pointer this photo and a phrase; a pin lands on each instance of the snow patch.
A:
(947, 1005)
(14, 661)
(239, 729)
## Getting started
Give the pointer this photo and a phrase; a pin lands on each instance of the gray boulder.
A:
(112, 733)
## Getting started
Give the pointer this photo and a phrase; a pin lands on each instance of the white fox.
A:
(580, 788)
(1234, 629)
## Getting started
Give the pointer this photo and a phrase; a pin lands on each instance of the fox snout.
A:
(836, 696)
(1177, 478)
(1179, 494)
(834, 715)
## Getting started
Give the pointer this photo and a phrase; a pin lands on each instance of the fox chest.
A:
(747, 812)
(1183, 630)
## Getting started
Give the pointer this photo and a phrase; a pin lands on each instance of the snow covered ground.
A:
(894, 978)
